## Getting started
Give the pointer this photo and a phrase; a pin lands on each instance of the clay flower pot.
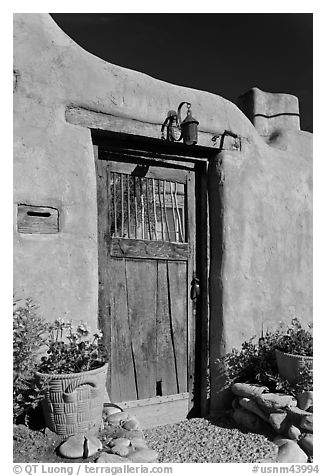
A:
(289, 365)
(73, 402)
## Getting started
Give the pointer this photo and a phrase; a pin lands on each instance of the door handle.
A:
(195, 289)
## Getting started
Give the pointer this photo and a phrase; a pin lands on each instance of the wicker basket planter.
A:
(73, 403)
(289, 365)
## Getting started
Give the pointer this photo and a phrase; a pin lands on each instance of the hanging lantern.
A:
(189, 126)
(177, 129)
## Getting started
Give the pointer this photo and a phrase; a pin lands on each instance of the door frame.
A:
(120, 147)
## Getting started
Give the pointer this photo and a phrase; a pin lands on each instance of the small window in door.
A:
(147, 208)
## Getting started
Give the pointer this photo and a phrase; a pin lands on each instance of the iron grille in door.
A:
(147, 208)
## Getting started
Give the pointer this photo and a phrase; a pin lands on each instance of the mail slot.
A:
(37, 219)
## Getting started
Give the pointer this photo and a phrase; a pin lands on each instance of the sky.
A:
(226, 54)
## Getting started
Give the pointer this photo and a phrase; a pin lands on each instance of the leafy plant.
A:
(297, 340)
(72, 350)
(29, 332)
(303, 383)
(256, 363)
(68, 350)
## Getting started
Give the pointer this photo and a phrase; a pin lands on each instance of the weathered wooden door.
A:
(147, 224)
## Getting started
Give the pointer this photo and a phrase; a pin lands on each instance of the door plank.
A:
(178, 296)
(192, 306)
(165, 371)
(123, 378)
(103, 221)
(141, 279)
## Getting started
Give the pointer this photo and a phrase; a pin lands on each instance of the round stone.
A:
(294, 432)
(120, 450)
(110, 458)
(291, 453)
(73, 447)
(306, 444)
(118, 418)
(307, 423)
(248, 420)
(305, 400)
(279, 440)
(119, 442)
(138, 443)
(131, 424)
(110, 411)
(277, 420)
(91, 446)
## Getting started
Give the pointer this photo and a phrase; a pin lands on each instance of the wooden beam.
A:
(107, 122)
(131, 248)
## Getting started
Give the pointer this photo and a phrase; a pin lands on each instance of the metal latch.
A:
(195, 289)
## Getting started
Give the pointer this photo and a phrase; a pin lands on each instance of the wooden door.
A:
(148, 232)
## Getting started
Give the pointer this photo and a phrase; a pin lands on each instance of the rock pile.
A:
(120, 440)
(258, 410)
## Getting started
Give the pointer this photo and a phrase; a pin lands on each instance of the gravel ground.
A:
(191, 441)
(216, 441)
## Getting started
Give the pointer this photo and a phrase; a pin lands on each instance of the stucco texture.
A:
(260, 196)
(54, 162)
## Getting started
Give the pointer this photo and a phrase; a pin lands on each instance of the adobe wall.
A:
(260, 196)
(54, 161)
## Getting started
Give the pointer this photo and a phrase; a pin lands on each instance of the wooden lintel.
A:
(107, 122)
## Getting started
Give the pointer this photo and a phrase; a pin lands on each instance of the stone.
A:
(275, 402)
(305, 400)
(120, 450)
(49, 433)
(248, 420)
(118, 418)
(111, 458)
(295, 415)
(107, 410)
(92, 431)
(290, 452)
(306, 443)
(251, 406)
(130, 434)
(248, 390)
(138, 443)
(131, 424)
(144, 456)
(91, 446)
(307, 423)
(277, 421)
(281, 440)
(120, 442)
(73, 447)
(293, 432)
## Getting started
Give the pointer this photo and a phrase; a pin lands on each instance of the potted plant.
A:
(259, 361)
(73, 374)
(294, 351)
